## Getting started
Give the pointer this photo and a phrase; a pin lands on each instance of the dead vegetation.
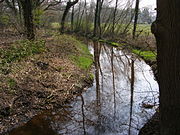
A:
(40, 82)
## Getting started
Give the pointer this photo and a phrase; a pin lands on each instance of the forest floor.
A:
(39, 75)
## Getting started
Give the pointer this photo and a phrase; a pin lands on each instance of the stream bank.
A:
(123, 97)
(40, 75)
(145, 47)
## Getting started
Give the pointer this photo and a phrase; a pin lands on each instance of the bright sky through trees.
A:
(148, 3)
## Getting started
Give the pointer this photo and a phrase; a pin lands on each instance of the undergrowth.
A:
(20, 50)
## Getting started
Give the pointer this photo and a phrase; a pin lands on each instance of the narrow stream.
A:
(116, 104)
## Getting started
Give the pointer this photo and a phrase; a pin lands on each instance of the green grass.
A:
(145, 29)
(55, 25)
(76, 51)
(146, 55)
(91, 76)
(84, 59)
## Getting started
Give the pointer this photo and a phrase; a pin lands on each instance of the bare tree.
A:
(97, 20)
(72, 19)
(135, 18)
(68, 6)
(114, 17)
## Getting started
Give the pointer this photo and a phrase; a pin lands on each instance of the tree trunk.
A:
(81, 17)
(136, 18)
(68, 6)
(114, 18)
(28, 19)
(72, 19)
(20, 13)
(97, 20)
(167, 32)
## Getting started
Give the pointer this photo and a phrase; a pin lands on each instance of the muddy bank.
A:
(42, 81)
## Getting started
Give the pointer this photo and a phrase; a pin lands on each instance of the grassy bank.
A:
(79, 53)
(146, 55)
(41, 75)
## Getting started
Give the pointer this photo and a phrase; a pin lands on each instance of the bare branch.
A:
(52, 4)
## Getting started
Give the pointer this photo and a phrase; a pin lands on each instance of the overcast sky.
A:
(143, 3)
(148, 3)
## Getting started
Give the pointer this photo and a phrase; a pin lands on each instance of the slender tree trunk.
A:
(86, 19)
(81, 17)
(97, 19)
(72, 19)
(68, 6)
(113, 79)
(28, 18)
(136, 18)
(78, 16)
(64, 17)
(20, 12)
(114, 17)
(132, 96)
(97, 69)
(167, 32)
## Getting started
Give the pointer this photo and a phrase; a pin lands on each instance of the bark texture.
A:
(28, 18)
(68, 6)
(167, 32)
(97, 18)
(136, 18)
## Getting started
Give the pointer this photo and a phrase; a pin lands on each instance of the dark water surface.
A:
(114, 105)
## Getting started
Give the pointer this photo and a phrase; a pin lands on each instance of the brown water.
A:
(112, 106)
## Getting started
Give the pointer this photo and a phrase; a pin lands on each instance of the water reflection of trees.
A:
(97, 50)
(132, 94)
(96, 114)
